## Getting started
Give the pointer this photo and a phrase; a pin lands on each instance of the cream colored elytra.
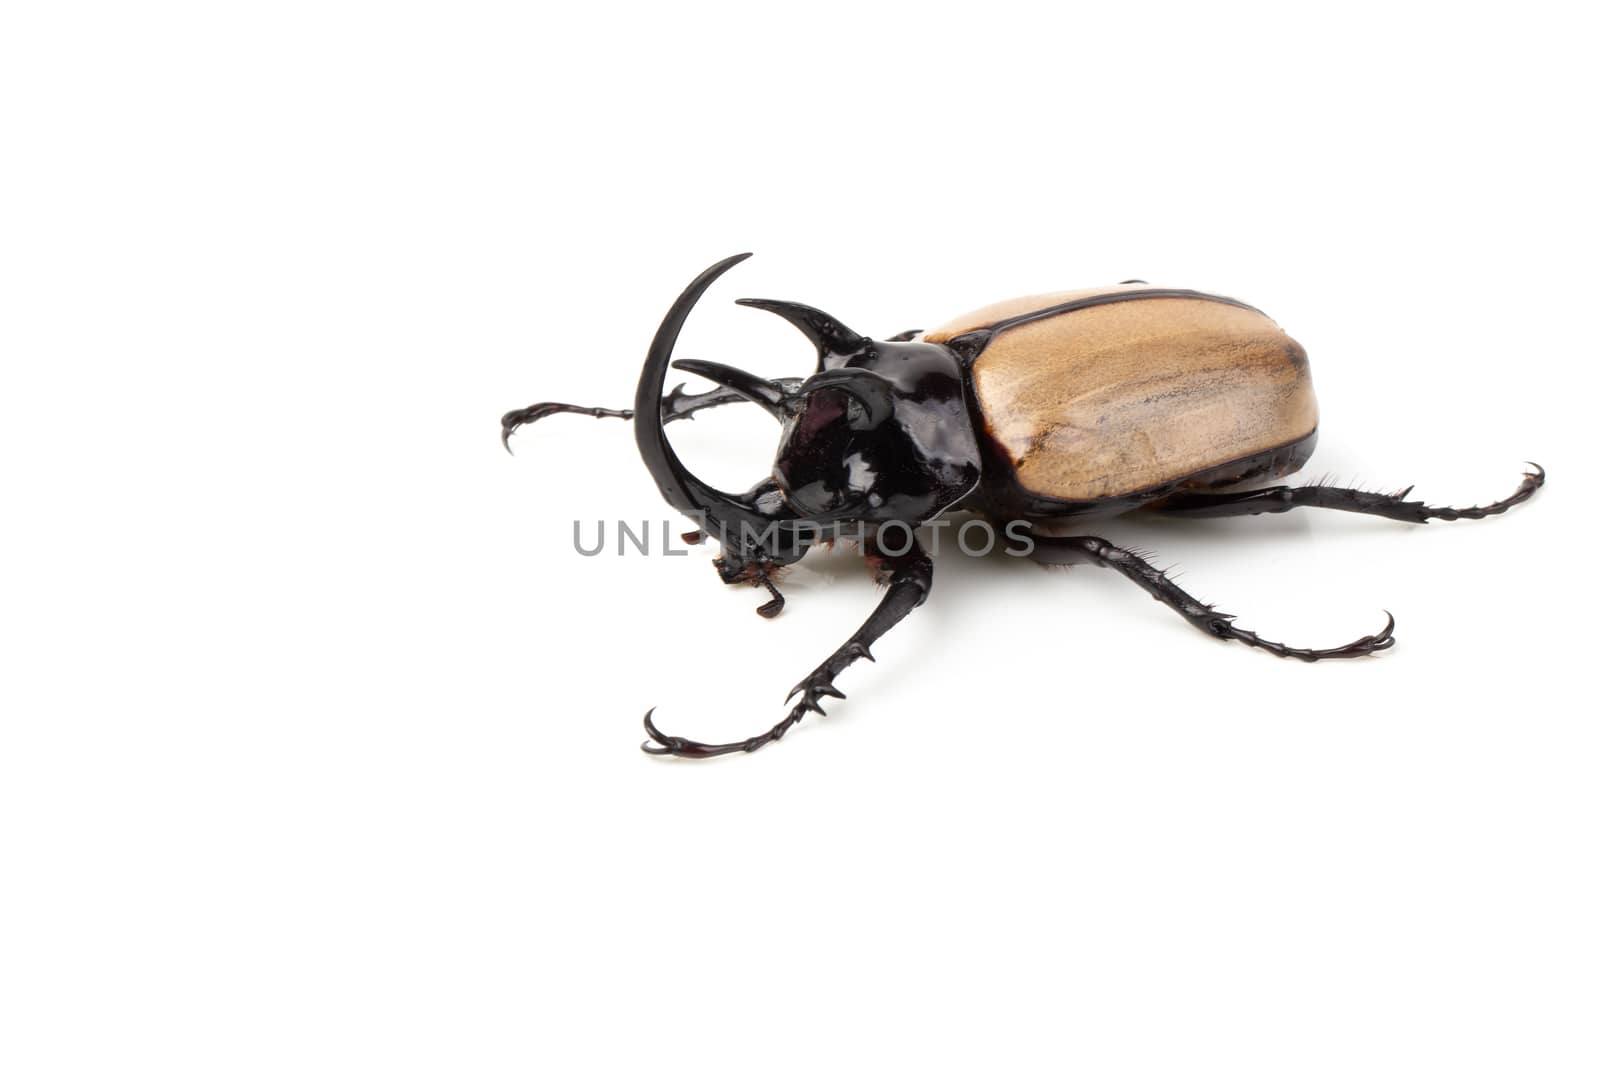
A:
(1117, 398)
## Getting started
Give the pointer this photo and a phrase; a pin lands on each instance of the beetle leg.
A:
(676, 405)
(534, 412)
(1203, 617)
(910, 578)
(1279, 498)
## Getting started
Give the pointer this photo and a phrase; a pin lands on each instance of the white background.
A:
(319, 739)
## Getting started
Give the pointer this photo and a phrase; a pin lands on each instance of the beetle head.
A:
(883, 435)
(881, 431)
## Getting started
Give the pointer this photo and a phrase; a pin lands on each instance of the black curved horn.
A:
(832, 337)
(711, 507)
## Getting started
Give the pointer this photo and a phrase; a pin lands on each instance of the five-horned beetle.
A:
(1073, 404)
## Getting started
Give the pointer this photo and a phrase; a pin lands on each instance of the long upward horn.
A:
(832, 337)
(681, 489)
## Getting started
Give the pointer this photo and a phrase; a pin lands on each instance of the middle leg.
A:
(1202, 616)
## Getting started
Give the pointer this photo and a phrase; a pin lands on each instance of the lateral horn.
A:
(767, 394)
(832, 337)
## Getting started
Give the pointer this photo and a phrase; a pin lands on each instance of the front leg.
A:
(677, 404)
(910, 577)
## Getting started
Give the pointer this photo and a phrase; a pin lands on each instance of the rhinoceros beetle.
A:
(1066, 405)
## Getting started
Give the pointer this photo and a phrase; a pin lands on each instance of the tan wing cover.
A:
(1113, 399)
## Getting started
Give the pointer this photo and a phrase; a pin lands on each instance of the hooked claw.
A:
(811, 690)
(668, 745)
(1361, 646)
(511, 420)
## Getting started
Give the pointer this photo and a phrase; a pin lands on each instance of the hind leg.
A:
(1278, 498)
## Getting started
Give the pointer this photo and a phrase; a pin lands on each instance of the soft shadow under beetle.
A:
(1071, 404)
